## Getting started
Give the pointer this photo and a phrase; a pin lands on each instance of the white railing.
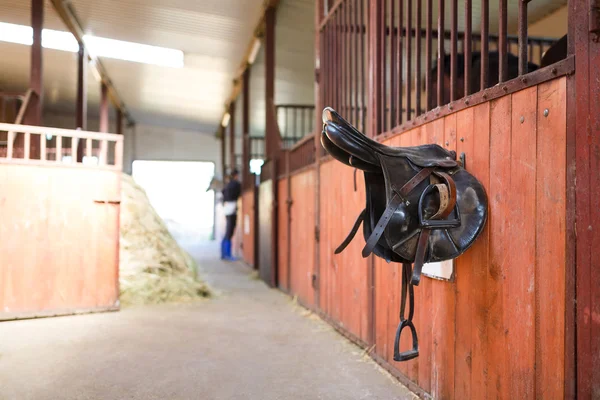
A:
(40, 145)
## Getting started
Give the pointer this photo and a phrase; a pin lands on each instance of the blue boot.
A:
(223, 253)
(228, 256)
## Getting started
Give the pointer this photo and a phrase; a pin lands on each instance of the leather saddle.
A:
(421, 204)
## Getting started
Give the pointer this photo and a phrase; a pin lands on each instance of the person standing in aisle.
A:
(231, 194)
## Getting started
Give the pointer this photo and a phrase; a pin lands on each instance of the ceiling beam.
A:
(237, 79)
(65, 10)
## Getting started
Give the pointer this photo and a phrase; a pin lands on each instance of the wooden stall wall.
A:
(302, 236)
(59, 240)
(344, 278)
(282, 236)
(246, 226)
(498, 330)
(265, 264)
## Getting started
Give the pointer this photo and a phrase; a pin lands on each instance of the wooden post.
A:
(272, 140)
(232, 136)
(81, 111)
(36, 78)
(82, 88)
(119, 122)
(246, 128)
(223, 158)
(319, 106)
(103, 107)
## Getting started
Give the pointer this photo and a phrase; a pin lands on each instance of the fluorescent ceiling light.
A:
(225, 121)
(97, 46)
(254, 51)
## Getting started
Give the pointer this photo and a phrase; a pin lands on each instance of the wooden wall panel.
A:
(550, 240)
(247, 214)
(498, 329)
(265, 216)
(343, 277)
(58, 248)
(282, 235)
(303, 236)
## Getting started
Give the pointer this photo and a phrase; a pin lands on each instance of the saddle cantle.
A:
(421, 204)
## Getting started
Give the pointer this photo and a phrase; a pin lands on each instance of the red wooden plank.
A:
(415, 138)
(464, 278)
(551, 239)
(282, 237)
(443, 310)
(499, 252)
(594, 113)
(520, 283)
(478, 163)
(433, 133)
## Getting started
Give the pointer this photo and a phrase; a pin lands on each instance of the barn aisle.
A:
(249, 342)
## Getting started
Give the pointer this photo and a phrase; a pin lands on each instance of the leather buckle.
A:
(409, 354)
(436, 223)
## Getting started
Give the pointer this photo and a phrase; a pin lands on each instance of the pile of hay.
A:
(153, 267)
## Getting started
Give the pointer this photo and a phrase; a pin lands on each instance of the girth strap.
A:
(398, 198)
(352, 233)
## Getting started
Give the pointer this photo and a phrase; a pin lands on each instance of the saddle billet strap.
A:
(420, 256)
(406, 322)
(398, 198)
(352, 233)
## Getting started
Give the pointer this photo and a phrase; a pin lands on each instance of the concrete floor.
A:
(250, 342)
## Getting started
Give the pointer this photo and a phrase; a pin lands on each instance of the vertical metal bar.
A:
(376, 59)
(468, 46)
(357, 55)
(441, 51)
(428, 51)
(418, 60)
(522, 37)
(383, 65)
(348, 60)
(337, 49)
(343, 65)
(82, 63)
(363, 60)
(400, 61)
(395, 34)
(485, 26)
(232, 165)
(502, 42)
(409, 34)
(103, 107)
(453, 48)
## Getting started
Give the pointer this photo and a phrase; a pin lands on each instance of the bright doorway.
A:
(178, 192)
